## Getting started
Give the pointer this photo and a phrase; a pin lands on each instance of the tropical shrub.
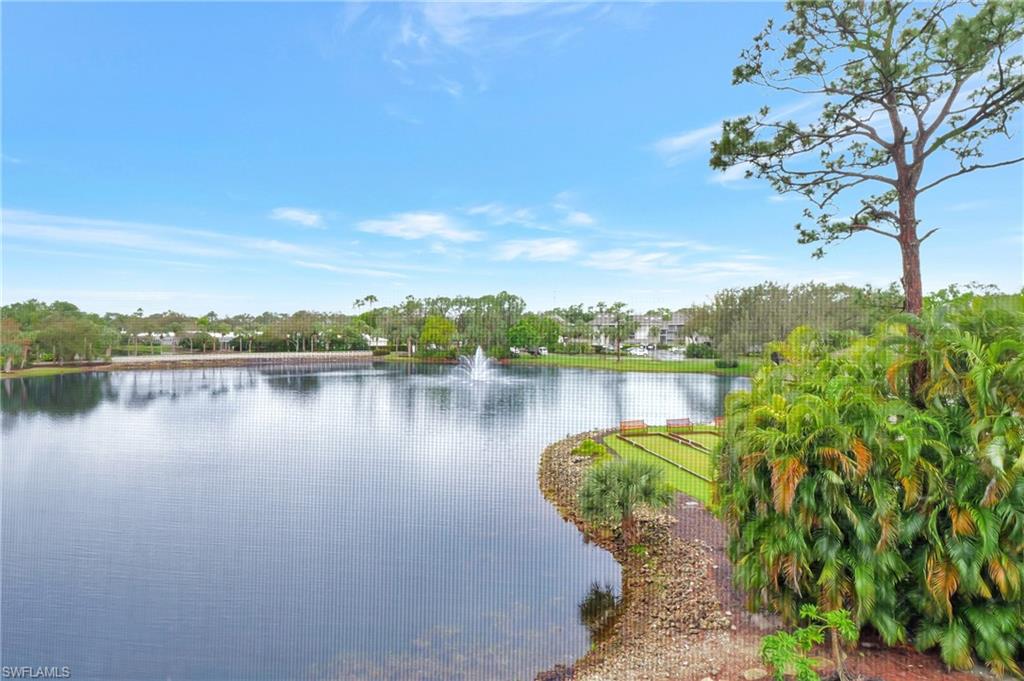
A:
(612, 492)
(700, 351)
(726, 363)
(842, 488)
(786, 652)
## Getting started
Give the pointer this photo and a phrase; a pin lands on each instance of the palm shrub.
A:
(611, 493)
(842, 489)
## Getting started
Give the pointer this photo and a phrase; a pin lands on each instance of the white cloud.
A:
(500, 214)
(452, 87)
(667, 265)
(64, 230)
(360, 271)
(687, 244)
(299, 216)
(419, 225)
(276, 247)
(460, 24)
(138, 236)
(629, 260)
(572, 216)
(578, 218)
(538, 249)
(675, 148)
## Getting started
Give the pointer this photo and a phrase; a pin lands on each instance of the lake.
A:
(344, 521)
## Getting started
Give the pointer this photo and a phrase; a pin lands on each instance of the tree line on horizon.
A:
(736, 321)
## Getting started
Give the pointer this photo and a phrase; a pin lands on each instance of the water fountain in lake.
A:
(477, 367)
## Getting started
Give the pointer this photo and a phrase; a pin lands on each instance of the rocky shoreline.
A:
(670, 623)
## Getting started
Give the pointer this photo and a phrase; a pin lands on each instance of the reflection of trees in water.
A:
(597, 609)
(64, 395)
(306, 380)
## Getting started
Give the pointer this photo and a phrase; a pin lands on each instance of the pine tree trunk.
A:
(910, 250)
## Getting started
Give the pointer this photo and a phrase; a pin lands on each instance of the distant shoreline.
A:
(177, 361)
(213, 360)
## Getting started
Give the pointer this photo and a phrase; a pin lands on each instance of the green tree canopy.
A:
(438, 330)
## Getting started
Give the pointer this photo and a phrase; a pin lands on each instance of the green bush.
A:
(700, 351)
(786, 652)
(888, 478)
(381, 352)
(596, 451)
(726, 363)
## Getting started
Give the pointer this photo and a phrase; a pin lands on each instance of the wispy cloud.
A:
(538, 249)
(630, 260)
(685, 244)
(299, 216)
(578, 218)
(564, 202)
(500, 214)
(464, 25)
(419, 225)
(400, 115)
(675, 148)
(432, 40)
(139, 236)
(667, 265)
(341, 269)
(63, 230)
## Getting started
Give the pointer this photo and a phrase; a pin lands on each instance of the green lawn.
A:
(709, 440)
(694, 459)
(678, 479)
(45, 371)
(746, 367)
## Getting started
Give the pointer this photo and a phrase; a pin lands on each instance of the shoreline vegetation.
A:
(678, 615)
(747, 366)
(668, 621)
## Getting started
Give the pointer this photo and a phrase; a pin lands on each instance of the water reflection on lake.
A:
(303, 521)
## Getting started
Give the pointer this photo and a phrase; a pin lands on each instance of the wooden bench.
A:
(680, 425)
(718, 422)
(627, 427)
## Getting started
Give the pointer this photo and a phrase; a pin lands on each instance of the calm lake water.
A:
(355, 521)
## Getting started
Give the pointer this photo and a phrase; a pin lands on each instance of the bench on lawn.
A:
(627, 427)
(679, 425)
(719, 422)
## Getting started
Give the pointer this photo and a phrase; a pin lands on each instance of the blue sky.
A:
(244, 157)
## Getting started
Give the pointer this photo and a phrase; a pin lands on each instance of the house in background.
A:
(648, 329)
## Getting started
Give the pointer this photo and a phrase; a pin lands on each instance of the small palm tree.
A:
(612, 492)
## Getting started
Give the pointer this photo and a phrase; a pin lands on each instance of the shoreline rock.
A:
(670, 615)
